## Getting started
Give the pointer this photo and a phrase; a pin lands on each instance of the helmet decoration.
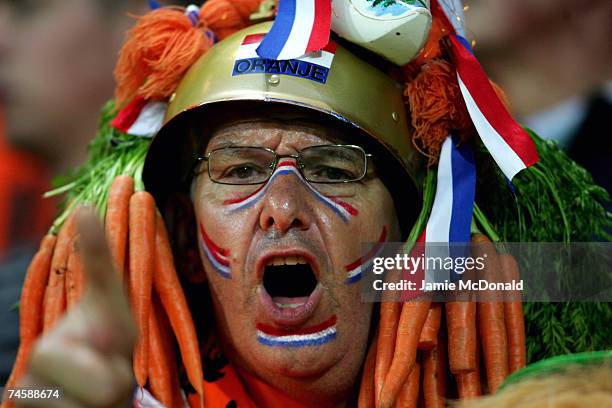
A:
(440, 120)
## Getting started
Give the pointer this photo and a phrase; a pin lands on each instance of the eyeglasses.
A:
(324, 164)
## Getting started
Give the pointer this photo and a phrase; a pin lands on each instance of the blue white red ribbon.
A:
(509, 144)
(448, 227)
(140, 117)
(453, 9)
(451, 213)
(309, 336)
(300, 27)
(341, 208)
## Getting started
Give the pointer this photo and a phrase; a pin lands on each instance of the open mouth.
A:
(291, 289)
(289, 280)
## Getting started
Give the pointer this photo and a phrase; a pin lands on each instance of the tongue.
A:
(289, 302)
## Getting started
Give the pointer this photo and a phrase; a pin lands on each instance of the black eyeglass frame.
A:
(278, 157)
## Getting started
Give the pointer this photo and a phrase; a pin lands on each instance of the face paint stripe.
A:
(241, 199)
(254, 197)
(357, 273)
(273, 331)
(298, 341)
(344, 214)
(215, 255)
(213, 250)
(223, 252)
(221, 260)
(351, 210)
(310, 336)
(341, 208)
(222, 270)
(287, 163)
(355, 269)
(371, 252)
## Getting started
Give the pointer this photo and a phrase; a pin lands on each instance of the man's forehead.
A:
(262, 131)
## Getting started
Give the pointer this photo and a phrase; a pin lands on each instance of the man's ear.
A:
(183, 231)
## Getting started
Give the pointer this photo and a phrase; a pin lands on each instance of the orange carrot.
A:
(491, 322)
(69, 283)
(429, 334)
(55, 302)
(434, 376)
(411, 323)
(387, 333)
(74, 276)
(468, 384)
(513, 313)
(79, 276)
(159, 363)
(366, 389)
(168, 286)
(117, 216)
(55, 295)
(462, 337)
(409, 394)
(142, 264)
(168, 344)
(31, 306)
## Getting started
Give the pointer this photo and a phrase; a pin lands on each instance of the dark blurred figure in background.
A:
(23, 177)
(554, 60)
(56, 63)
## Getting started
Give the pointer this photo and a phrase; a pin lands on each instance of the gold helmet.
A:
(333, 83)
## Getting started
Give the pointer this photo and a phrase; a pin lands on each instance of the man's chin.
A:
(304, 363)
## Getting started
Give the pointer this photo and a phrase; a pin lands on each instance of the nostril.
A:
(269, 223)
(297, 223)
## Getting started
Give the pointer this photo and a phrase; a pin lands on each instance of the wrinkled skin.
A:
(289, 218)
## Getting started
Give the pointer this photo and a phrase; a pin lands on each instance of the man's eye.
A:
(326, 173)
(244, 171)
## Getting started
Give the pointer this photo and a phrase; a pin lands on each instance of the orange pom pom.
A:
(437, 108)
(157, 52)
(225, 17)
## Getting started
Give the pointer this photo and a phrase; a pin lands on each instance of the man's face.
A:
(282, 260)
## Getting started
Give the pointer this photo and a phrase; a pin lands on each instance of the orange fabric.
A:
(437, 107)
(157, 52)
(24, 215)
(228, 388)
(226, 17)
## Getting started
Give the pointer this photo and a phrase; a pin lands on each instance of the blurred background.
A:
(553, 58)
(56, 72)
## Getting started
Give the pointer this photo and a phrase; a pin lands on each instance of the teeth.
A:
(289, 305)
(286, 260)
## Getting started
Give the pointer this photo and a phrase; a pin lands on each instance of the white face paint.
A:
(288, 168)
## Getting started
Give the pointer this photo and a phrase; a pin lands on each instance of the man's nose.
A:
(286, 204)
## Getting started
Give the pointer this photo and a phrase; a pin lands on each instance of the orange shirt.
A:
(24, 215)
(229, 391)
